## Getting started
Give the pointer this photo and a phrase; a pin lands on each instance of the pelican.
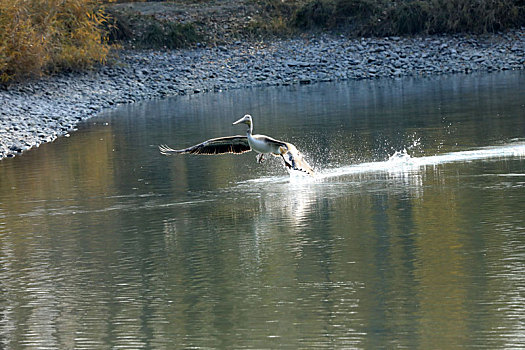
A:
(261, 144)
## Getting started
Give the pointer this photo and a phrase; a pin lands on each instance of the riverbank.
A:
(40, 111)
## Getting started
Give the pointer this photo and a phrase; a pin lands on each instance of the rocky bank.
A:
(40, 111)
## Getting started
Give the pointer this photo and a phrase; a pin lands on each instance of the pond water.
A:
(412, 234)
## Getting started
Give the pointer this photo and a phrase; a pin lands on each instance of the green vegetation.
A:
(169, 35)
(45, 36)
(386, 17)
(273, 18)
(148, 32)
(383, 17)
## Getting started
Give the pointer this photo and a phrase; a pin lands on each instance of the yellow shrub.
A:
(41, 36)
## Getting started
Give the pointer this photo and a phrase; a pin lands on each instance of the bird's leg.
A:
(286, 163)
(260, 158)
(288, 159)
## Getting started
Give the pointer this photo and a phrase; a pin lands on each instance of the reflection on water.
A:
(411, 235)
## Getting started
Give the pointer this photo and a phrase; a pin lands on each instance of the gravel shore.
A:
(37, 112)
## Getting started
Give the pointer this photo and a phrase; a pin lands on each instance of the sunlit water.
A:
(411, 234)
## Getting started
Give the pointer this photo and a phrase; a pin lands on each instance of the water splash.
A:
(402, 163)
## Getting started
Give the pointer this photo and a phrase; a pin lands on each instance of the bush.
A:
(169, 35)
(480, 16)
(384, 17)
(43, 36)
(359, 16)
(149, 32)
(315, 14)
(409, 18)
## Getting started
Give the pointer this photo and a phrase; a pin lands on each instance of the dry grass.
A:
(43, 36)
(46, 36)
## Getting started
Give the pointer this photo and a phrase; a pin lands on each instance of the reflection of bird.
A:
(239, 144)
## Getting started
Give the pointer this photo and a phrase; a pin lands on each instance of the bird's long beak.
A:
(242, 120)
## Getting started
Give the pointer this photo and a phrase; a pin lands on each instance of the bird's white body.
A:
(260, 144)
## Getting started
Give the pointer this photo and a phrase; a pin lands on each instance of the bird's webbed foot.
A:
(260, 158)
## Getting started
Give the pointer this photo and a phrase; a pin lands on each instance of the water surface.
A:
(412, 235)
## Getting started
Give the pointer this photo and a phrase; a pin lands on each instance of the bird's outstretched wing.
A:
(293, 159)
(220, 145)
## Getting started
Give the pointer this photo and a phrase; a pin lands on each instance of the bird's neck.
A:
(250, 130)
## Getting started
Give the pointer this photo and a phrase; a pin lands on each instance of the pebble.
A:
(40, 111)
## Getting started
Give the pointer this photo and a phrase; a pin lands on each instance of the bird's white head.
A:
(247, 119)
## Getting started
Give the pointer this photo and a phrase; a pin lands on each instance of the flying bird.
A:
(261, 144)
